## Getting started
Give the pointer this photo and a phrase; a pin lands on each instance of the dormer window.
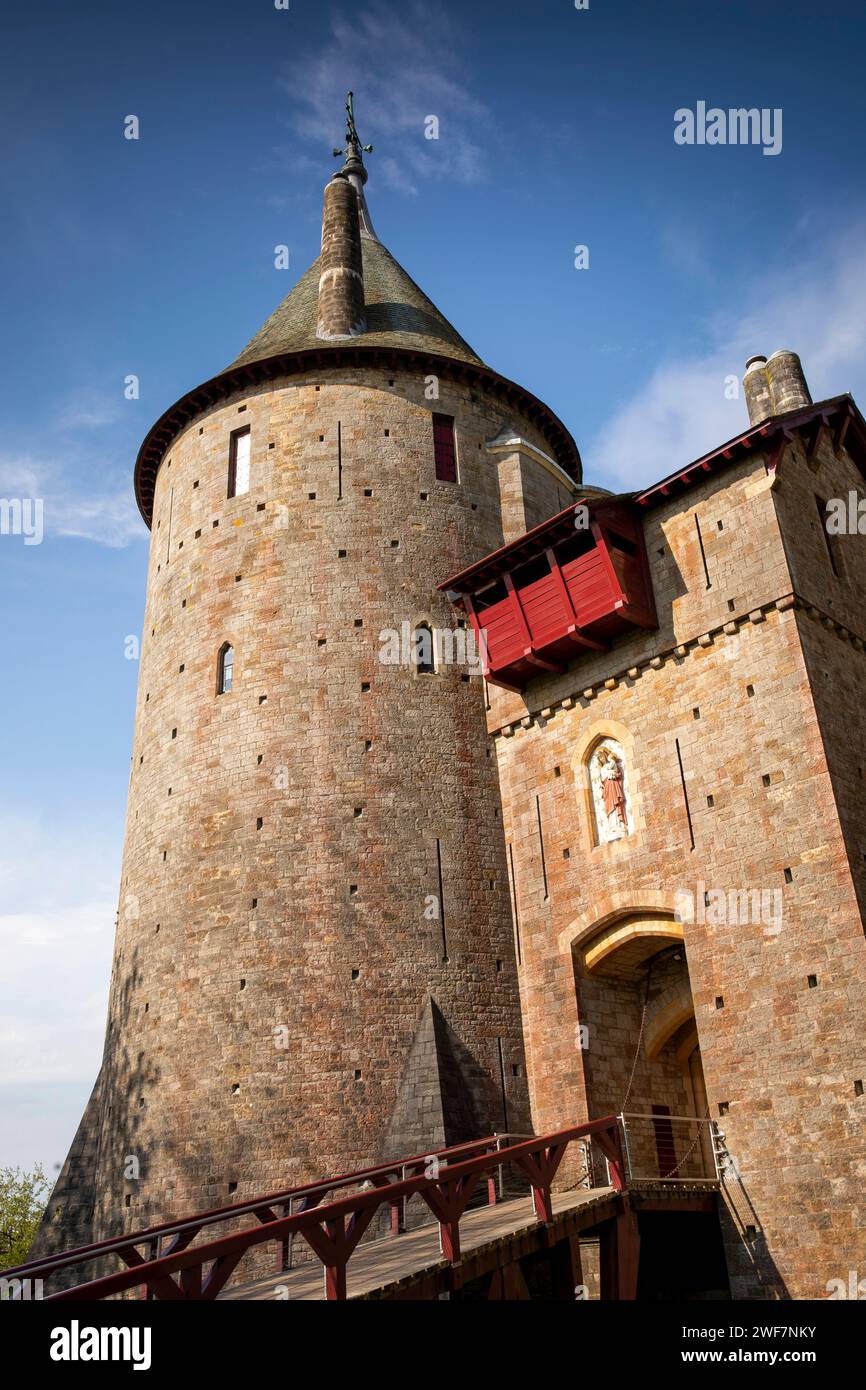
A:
(239, 463)
(444, 450)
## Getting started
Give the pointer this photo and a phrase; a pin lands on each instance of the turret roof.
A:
(401, 325)
(398, 313)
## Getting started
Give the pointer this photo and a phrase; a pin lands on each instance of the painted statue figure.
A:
(613, 785)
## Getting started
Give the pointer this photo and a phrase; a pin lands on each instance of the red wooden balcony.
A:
(575, 583)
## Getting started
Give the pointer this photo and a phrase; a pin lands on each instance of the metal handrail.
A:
(672, 1176)
(675, 1119)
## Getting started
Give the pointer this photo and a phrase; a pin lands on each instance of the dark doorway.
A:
(681, 1257)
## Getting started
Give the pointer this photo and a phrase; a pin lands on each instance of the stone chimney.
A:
(788, 388)
(774, 385)
(341, 281)
(756, 389)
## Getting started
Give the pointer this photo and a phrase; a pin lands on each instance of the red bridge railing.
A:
(444, 1180)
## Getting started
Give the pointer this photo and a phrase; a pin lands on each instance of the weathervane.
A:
(354, 149)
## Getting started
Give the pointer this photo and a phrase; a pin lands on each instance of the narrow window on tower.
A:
(225, 669)
(443, 448)
(423, 652)
(239, 463)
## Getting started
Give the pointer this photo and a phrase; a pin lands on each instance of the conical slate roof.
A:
(396, 318)
(398, 313)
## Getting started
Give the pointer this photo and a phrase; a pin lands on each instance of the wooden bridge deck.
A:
(379, 1267)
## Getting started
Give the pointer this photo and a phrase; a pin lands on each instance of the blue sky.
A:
(156, 257)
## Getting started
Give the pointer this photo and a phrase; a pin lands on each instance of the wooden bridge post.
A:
(628, 1253)
(335, 1281)
(619, 1248)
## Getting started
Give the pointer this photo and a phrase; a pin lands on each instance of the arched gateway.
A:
(642, 1056)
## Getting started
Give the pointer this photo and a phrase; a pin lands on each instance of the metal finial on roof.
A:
(354, 150)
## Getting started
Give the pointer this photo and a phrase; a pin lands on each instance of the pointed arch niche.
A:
(614, 819)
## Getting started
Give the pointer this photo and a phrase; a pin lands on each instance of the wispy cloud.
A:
(405, 65)
(88, 410)
(106, 515)
(816, 305)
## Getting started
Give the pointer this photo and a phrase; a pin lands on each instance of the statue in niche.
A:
(610, 795)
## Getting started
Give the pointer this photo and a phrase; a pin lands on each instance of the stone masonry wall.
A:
(833, 623)
(729, 678)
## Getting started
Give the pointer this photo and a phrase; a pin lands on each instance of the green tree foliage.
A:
(23, 1197)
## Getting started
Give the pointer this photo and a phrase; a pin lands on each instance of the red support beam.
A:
(517, 609)
(448, 1200)
(567, 605)
(627, 1253)
(619, 1250)
(611, 1146)
(477, 629)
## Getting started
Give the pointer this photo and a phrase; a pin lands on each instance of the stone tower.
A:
(691, 941)
(314, 966)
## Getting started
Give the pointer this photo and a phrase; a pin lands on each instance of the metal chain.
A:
(691, 1150)
(639, 1037)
